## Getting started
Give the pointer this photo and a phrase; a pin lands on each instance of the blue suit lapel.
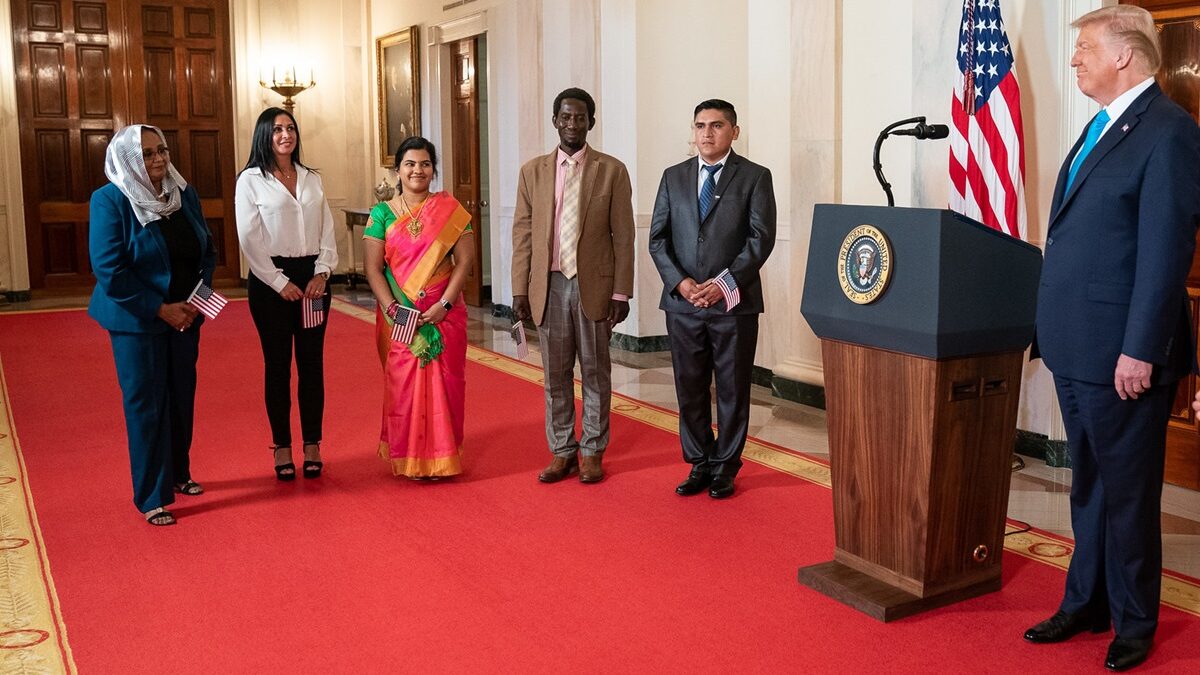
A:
(1113, 137)
(1063, 172)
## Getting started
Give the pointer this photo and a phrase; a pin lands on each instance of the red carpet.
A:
(360, 572)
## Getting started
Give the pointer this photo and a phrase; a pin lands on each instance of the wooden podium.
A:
(922, 382)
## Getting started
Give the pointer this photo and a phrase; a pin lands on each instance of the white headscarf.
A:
(125, 167)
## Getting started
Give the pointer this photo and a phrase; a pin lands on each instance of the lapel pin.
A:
(1125, 128)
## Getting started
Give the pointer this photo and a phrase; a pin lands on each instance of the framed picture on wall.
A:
(399, 81)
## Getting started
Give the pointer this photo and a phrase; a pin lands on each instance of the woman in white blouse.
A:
(286, 232)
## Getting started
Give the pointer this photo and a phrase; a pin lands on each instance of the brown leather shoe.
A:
(559, 469)
(590, 471)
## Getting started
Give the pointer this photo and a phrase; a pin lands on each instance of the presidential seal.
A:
(864, 264)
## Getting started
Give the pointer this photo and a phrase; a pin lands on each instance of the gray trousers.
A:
(565, 334)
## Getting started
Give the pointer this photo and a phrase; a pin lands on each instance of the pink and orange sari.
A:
(425, 382)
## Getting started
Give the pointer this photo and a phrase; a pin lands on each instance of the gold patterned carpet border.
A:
(1180, 593)
(33, 637)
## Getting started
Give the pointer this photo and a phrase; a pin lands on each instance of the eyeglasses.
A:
(161, 151)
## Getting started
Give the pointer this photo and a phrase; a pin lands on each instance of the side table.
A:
(354, 217)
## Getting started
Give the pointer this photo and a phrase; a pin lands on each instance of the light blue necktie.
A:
(1093, 136)
(709, 189)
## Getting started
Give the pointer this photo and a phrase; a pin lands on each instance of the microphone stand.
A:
(887, 187)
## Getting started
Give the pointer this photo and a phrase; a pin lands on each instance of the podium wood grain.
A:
(920, 456)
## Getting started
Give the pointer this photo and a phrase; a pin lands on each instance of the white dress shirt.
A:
(271, 222)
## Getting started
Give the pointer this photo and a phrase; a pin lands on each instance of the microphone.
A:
(925, 131)
(921, 131)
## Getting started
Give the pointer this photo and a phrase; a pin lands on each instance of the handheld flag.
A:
(313, 311)
(518, 335)
(209, 302)
(729, 289)
(404, 324)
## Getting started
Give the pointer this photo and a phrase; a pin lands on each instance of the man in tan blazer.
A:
(572, 272)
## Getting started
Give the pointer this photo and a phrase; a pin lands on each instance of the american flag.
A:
(518, 336)
(209, 302)
(404, 325)
(729, 289)
(987, 143)
(313, 311)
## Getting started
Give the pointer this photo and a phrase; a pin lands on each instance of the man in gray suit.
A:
(712, 229)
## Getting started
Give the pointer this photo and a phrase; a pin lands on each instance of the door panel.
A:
(68, 101)
(464, 153)
(85, 69)
(183, 54)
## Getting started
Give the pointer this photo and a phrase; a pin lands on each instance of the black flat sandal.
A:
(312, 469)
(191, 487)
(284, 472)
(159, 517)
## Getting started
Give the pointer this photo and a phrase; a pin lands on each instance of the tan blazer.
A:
(605, 253)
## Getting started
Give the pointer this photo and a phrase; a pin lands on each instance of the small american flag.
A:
(313, 311)
(209, 302)
(729, 289)
(404, 325)
(518, 336)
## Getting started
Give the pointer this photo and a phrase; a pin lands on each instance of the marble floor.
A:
(1039, 493)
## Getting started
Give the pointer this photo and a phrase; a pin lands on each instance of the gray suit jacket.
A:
(738, 233)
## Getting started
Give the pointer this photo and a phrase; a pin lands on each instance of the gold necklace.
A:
(284, 174)
(414, 219)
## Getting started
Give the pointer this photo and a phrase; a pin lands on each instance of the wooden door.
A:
(70, 98)
(85, 69)
(464, 152)
(178, 55)
(1179, 30)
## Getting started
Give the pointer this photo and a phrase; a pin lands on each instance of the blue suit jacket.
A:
(1120, 246)
(132, 268)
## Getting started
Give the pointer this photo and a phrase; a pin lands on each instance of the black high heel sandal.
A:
(312, 469)
(284, 472)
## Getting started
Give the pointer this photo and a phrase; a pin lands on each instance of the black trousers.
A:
(705, 344)
(1118, 449)
(279, 325)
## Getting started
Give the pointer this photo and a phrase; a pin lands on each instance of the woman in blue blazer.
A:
(150, 247)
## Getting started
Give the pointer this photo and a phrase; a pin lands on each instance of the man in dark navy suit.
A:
(1113, 326)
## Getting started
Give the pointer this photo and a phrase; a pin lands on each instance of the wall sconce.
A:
(285, 82)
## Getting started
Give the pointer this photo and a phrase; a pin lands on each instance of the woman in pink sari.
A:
(419, 250)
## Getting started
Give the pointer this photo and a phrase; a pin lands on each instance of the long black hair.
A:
(262, 156)
(415, 143)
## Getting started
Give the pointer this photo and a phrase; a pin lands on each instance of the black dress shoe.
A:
(1063, 626)
(1125, 653)
(722, 487)
(694, 485)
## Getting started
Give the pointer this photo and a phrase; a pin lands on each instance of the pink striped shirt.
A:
(560, 177)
